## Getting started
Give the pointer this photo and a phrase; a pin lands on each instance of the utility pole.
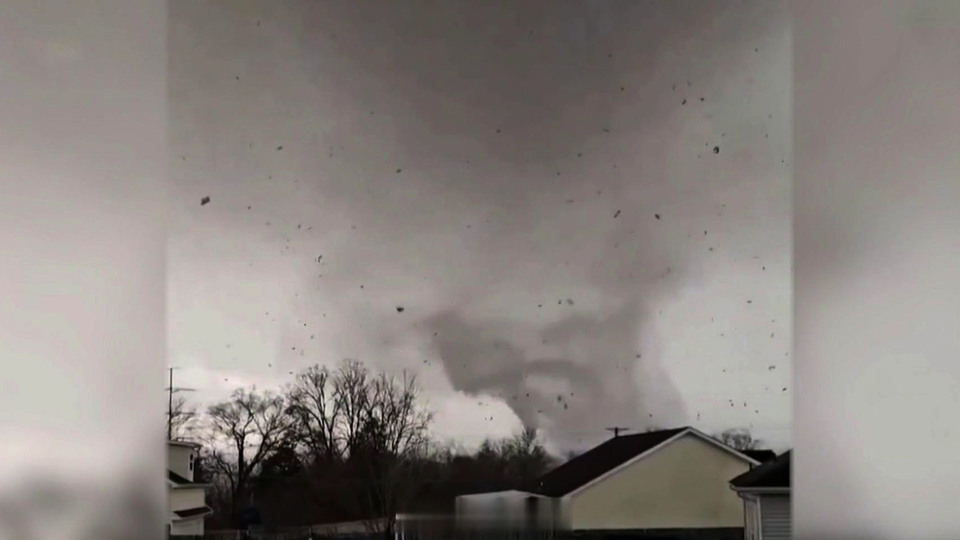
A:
(616, 430)
(170, 391)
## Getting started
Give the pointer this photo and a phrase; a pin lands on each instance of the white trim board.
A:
(687, 431)
(186, 444)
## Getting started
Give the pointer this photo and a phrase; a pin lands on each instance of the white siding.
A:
(179, 460)
(185, 498)
(751, 514)
(683, 485)
(190, 527)
(775, 517)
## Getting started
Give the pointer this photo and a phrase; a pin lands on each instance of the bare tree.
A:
(244, 431)
(389, 445)
(740, 439)
(184, 420)
(317, 412)
(352, 388)
(363, 433)
(328, 412)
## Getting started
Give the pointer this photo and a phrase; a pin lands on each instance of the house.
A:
(659, 483)
(186, 499)
(762, 456)
(765, 491)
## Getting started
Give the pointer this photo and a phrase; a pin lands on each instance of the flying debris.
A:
(279, 148)
(399, 309)
(204, 201)
(716, 149)
(617, 213)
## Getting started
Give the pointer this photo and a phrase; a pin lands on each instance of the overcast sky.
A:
(583, 208)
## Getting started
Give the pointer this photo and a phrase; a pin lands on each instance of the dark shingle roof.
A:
(599, 460)
(191, 512)
(177, 479)
(762, 456)
(772, 474)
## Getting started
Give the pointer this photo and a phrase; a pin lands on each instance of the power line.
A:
(170, 391)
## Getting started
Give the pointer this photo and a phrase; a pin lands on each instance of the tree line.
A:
(348, 444)
(341, 444)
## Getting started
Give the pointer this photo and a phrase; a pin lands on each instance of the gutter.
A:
(189, 486)
(762, 490)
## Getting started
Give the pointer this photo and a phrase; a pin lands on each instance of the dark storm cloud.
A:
(469, 161)
(522, 83)
(596, 365)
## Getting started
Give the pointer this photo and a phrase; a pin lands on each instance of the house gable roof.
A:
(770, 475)
(186, 444)
(193, 512)
(177, 479)
(613, 454)
(762, 456)
(599, 460)
(179, 482)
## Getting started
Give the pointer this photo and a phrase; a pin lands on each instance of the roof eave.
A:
(185, 443)
(205, 513)
(761, 490)
(682, 432)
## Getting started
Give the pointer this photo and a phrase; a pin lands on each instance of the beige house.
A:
(765, 491)
(654, 483)
(186, 499)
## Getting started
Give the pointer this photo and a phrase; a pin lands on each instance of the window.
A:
(191, 462)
